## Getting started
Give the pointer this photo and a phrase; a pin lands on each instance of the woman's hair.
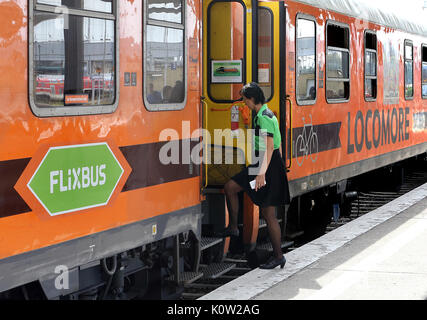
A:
(252, 90)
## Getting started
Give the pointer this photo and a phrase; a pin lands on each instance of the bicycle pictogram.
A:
(307, 143)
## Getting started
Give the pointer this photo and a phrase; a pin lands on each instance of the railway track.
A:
(366, 201)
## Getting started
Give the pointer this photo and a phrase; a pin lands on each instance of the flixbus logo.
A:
(75, 177)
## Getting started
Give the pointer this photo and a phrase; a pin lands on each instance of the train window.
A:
(165, 10)
(306, 60)
(226, 50)
(409, 70)
(370, 66)
(265, 52)
(92, 5)
(164, 55)
(337, 62)
(73, 57)
(424, 72)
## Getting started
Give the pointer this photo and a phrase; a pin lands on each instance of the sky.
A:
(413, 9)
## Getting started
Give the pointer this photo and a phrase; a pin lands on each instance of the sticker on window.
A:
(76, 99)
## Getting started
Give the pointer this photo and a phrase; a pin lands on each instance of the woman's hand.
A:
(259, 181)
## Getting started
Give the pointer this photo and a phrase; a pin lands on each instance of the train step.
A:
(216, 270)
(263, 223)
(267, 246)
(192, 296)
(186, 277)
(208, 242)
(205, 243)
(294, 235)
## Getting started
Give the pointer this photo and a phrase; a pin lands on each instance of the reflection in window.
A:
(337, 63)
(92, 5)
(265, 47)
(409, 70)
(306, 60)
(424, 80)
(165, 10)
(74, 65)
(164, 67)
(424, 72)
(370, 66)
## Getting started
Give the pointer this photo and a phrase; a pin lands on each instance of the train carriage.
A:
(110, 189)
(97, 141)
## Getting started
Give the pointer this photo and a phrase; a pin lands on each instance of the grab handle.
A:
(291, 131)
(202, 99)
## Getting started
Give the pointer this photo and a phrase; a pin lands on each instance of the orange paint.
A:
(23, 135)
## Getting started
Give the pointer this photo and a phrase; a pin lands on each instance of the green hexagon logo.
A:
(78, 177)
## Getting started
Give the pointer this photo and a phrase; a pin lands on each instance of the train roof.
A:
(382, 16)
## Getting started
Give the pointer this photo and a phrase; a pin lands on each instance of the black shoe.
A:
(228, 232)
(273, 263)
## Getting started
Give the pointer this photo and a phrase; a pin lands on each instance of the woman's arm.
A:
(260, 179)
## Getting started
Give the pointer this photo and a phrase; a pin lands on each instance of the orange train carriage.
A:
(89, 211)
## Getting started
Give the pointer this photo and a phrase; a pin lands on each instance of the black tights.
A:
(231, 190)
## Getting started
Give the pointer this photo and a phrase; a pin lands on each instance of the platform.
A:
(381, 255)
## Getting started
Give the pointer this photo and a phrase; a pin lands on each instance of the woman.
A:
(269, 176)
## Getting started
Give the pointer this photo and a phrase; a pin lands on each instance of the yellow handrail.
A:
(290, 120)
(206, 142)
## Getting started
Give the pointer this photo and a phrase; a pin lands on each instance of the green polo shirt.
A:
(266, 124)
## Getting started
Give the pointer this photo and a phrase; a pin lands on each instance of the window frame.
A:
(423, 46)
(346, 26)
(310, 18)
(270, 12)
(208, 54)
(62, 111)
(368, 99)
(180, 26)
(408, 42)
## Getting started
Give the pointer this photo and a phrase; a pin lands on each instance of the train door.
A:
(241, 44)
(227, 67)
(271, 60)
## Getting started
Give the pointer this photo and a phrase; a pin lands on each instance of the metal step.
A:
(209, 242)
(192, 296)
(267, 246)
(263, 223)
(215, 270)
(295, 234)
(186, 277)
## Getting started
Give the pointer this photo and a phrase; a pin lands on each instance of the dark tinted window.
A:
(337, 63)
(409, 70)
(370, 66)
(424, 72)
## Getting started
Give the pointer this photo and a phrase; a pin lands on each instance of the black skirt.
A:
(275, 192)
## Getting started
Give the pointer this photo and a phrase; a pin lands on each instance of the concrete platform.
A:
(381, 255)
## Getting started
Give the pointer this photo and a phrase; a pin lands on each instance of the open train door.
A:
(241, 43)
(270, 52)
